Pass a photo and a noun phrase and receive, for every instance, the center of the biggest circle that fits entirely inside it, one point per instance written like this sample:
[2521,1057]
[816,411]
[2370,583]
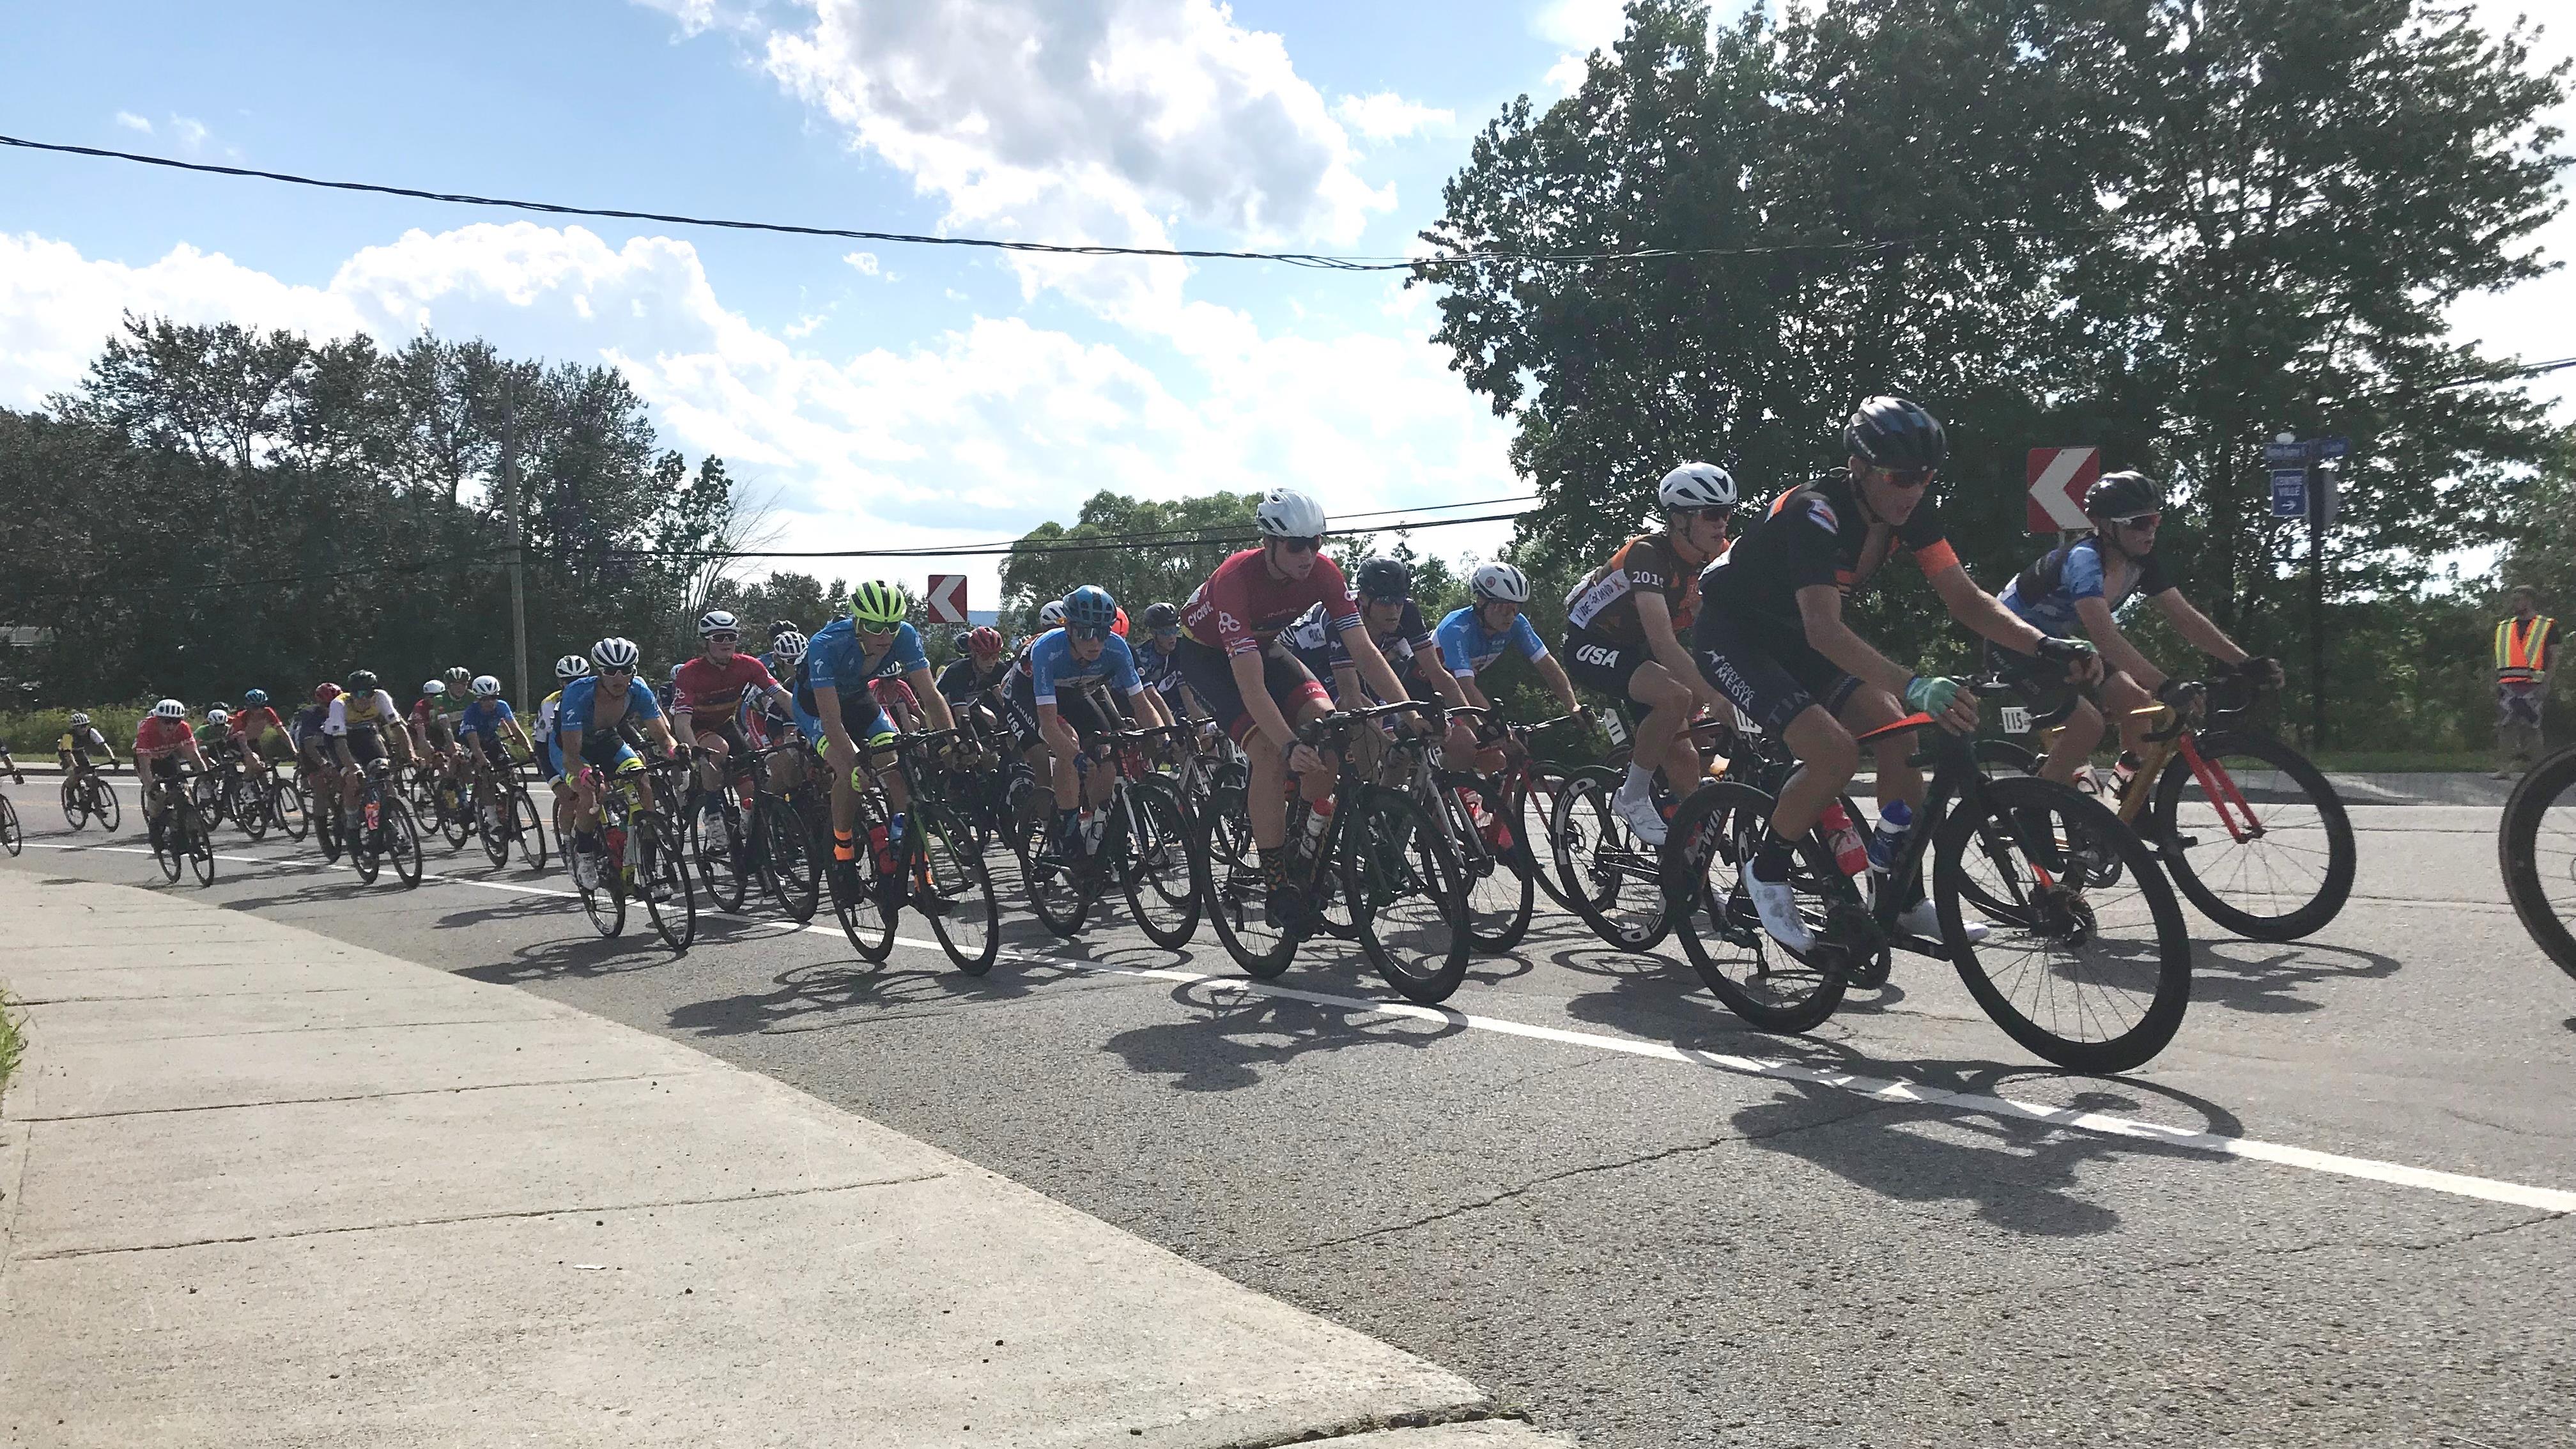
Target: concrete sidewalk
[258,1187]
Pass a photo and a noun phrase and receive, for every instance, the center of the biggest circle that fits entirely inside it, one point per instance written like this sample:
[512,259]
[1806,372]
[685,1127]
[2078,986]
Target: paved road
[1580,1191]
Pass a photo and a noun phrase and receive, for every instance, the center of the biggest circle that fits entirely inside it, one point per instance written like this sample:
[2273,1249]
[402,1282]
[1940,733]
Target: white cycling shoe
[1776,902]
[1924,919]
[1641,816]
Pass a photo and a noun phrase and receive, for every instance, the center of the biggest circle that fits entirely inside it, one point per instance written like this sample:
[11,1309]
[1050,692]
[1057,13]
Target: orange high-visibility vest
[2521,649]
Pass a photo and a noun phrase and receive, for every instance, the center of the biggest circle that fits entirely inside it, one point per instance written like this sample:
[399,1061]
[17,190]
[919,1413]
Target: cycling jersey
[1813,534]
[582,709]
[1160,671]
[307,725]
[1466,648]
[353,713]
[1052,666]
[837,659]
[1321,647]
[1243,606]
[961,681]
[2044,595]
[253,724]
[708,689]
[82,742]
[1605,602]
[155,735]
[483,716]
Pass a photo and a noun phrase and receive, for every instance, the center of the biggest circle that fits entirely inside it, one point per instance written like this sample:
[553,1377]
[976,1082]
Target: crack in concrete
[675,1071]
[1482,1411]
[337,1026]
[756,1195]
[2292,1250]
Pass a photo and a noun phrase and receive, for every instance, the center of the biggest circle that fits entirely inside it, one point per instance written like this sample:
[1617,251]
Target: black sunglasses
[1302,545]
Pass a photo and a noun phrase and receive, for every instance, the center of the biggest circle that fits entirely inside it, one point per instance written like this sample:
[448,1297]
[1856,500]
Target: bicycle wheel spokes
[8,826]
[201,852]
[721,847]
[2256,837]
[2095,978]
[402,842]
[1058,894]
[75,795]
[1407,897]
[1719,829]
[662,875]
[789,868]
[1238,894]
[955,893]
[1501,892]
[858,899]
[1611,875]
[2536,848]
[1162,877]
[293,813]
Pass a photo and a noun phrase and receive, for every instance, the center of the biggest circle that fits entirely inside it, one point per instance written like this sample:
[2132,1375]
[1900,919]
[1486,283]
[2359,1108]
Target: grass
[11,1042]
[32,734]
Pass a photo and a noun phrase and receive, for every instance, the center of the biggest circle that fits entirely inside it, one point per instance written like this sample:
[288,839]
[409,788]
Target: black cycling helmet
[2119,497]
[783,628]
[1385,580]
[1162,616]
[361,680]
[1893,432]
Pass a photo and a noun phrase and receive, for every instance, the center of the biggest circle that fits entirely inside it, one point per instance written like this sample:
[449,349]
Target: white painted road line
[1884,1089]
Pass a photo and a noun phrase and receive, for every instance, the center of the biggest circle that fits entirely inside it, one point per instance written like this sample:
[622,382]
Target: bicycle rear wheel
[2263,847]
[1715,835]
[1612,878]
[2092,977]
[1161,871]
[290,809]
[2536,850]
[789,868]
[1407,896]
[956,893]
[402,842]
[662,877]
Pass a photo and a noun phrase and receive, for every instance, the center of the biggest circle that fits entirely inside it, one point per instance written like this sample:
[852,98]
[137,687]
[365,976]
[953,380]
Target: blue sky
[881,394]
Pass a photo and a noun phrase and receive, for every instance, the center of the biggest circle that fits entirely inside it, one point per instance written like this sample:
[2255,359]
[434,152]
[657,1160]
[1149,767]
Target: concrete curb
[262,1187]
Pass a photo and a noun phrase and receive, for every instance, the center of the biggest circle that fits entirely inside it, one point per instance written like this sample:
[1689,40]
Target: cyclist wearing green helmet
[872,641]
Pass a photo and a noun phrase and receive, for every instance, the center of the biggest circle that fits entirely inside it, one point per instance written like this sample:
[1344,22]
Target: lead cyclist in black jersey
[1771,636]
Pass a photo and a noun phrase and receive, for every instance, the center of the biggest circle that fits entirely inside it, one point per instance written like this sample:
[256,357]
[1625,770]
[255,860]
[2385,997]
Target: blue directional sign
[2307,450]
[2329,447]
[2289,492]
[2281,453]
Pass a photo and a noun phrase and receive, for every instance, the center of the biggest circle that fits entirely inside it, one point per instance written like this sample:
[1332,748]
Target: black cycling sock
[1771,861]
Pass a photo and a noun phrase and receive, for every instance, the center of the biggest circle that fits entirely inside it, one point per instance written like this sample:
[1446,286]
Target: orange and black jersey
[1815,534]
[1605,603]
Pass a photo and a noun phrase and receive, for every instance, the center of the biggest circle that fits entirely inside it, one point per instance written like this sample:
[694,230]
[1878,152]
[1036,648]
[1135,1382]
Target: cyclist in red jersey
[160,740]
[709,703]
[1231,657]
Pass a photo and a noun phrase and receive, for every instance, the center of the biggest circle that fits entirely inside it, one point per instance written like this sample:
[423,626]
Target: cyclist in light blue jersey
[872,641]
[1477,635]
[1053,686]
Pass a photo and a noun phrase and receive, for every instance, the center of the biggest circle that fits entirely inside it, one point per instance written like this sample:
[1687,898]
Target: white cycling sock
[1639,781]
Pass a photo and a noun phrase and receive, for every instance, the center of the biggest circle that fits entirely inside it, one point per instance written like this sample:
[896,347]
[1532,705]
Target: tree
[1140,550]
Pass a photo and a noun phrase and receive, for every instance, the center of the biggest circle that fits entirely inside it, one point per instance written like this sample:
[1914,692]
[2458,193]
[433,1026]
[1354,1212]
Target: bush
[32,735]
[11,1042]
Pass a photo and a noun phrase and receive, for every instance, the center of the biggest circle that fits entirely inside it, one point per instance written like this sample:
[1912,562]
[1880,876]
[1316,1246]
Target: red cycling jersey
[709,688]
[892,692]
[1243,606]
[254,724]
[156,735]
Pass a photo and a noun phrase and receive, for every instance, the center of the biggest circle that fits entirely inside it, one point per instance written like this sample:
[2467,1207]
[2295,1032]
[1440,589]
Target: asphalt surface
[1571,1190]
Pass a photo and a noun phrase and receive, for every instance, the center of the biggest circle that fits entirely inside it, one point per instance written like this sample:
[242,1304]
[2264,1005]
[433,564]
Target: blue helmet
[1091,607]
[255,698]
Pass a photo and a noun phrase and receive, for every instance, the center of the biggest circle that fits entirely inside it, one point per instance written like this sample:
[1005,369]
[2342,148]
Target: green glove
[1931,695]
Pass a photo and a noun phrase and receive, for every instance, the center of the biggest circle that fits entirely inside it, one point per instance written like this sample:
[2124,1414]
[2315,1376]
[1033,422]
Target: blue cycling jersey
[1051,665]
[837,659]
[2044,595]
[1466,648]
[575,712]
[1159,670]
[483,714]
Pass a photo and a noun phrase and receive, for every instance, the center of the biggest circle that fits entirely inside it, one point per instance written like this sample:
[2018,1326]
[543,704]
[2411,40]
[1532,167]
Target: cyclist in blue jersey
[1053,688]
[1159,662]
[1477,635]
[586,733]
[481,728]
[2080,586]
[871,641]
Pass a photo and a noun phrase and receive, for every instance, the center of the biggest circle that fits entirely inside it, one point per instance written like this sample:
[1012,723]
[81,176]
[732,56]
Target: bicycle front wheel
[1532,814]
[1059,887]
[2261,844]
[858,899]
[1611,877]
[8,826]
[2536,849]
[1408,900]
[956,893]
[722,849]
[402,842]
[2093,977]
[1715,835]
[290,810]
[1162,873]
[75,794]
[662,876]
[1239,907]
[789,868]
[249,806]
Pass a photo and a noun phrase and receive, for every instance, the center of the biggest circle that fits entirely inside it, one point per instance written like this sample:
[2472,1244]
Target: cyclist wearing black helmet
[1159,661]
[2081,585]
[1771,636]
[1396,626]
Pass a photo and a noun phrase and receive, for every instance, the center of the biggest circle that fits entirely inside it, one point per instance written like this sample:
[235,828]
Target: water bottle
[881,847]
[1851,857]
[894,832]
[1895,818]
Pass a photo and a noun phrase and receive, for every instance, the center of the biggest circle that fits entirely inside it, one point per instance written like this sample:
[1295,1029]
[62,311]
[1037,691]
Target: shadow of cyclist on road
[1235,1034]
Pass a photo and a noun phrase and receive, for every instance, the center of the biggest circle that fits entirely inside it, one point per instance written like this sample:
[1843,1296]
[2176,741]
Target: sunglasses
[1088,631]
[627,673]
[1685,515]
[2139,520]
[1302,545]
[1907,478]
[1167,633]
[724,639]
[872,633]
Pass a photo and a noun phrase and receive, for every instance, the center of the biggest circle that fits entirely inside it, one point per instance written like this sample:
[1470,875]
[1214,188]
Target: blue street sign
[2306,451]
[2285,452]
[2289,492]
[2329,447]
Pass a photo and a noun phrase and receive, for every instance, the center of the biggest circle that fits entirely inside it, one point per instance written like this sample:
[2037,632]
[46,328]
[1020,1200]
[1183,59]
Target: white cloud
[191,132]
[1387,116]
[1581,26]
[133,122]
[866,262]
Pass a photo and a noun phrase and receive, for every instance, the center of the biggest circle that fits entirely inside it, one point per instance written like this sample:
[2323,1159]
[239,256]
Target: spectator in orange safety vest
[2525,646]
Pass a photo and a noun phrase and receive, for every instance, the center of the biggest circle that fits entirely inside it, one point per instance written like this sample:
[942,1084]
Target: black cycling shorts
[2042,685]
[1073,706]
[729,730]
[1210,675]
[496,751]
[1601,664]
[1772,679]
[366,745]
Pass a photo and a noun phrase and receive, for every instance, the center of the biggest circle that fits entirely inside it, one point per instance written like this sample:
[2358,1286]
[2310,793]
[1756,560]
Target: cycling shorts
[366,743]
[1599,662]
[727,729]
[1772,681]
[1210,676]
[1073,706]
[2041,684]
[496,750]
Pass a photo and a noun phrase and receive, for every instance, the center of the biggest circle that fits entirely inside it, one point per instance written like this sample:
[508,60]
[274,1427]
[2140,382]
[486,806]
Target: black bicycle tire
[301,822]
[873,937]
[1512,865]
[167,843]
[2342,850]
[672,867]
[2157,1026]
[1698,828]
[1539,846]
[1232,875]
[74,797]
[402,830]
[201,851]
[1579,786]
[530,826]
[935,841]
[1153,799]
[1040,884]
[495,839]
[1374,807]
[9,832]
[2518,855]
[736,856]
[779,823]
[363,856]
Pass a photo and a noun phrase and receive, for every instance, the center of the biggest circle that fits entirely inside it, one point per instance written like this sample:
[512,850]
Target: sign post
[946,600]
[2303,486]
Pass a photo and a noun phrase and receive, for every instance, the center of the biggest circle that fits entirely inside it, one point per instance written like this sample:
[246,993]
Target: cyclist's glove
[2066,652]
[1930,694]
[2177,693]
[2263,668]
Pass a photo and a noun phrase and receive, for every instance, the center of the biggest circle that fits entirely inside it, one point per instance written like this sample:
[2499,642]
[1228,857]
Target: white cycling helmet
[434,687]
[1697,485]
[788,647]
[169,709]
[1287,513]
[486,687]
[616,653]
[1499,581]
[218,718]
[571,667]
[718,621]
[79,720]
[1051,614]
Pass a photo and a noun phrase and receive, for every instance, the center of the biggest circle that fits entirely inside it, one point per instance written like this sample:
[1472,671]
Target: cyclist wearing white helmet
[712,690]
[481,729]
[1231,658]
[586,734]
[79,743]
[364,726]
[162,739]
[1492,622]
[1624,627]
[567,669]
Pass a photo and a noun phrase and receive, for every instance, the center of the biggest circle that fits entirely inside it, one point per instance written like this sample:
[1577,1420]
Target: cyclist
[871,641]
[161,739]
[364,725]
[586,733]
[549,759]
[433,735]
[1231,659]
[258,731]
[482,730]
[1064,665]
[1771,636]
[2081,585]
[1624,626]
[312,746]
[790,651]
[222,751]
[1395,625]
[81,739]
[1159,664]
[1478,633]
[712,688]
[980,667]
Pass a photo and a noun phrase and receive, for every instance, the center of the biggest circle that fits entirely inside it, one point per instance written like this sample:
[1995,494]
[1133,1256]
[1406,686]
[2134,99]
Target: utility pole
[510,511]
[2321,501]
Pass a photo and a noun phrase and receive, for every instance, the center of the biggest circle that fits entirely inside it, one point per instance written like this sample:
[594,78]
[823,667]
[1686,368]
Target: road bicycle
[1145,846]
[915,857]
[639,855]
[1610,876]
[1375,850]
[2536,851]
[88,795]
[288,808]
[383,830]
[180,831]
[1487,816]
[2252,832]
[791,824]
[2089,968]
[506,818]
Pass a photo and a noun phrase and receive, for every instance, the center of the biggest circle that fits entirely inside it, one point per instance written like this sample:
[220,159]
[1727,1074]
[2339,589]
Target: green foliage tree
[1168,549]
